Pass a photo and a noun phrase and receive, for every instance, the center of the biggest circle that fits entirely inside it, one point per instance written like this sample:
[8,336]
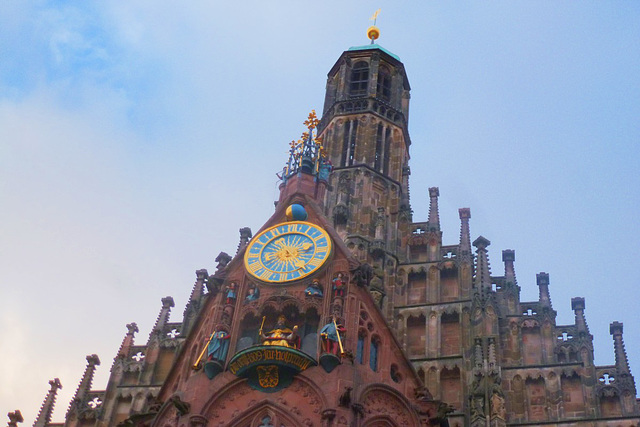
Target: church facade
[343,311]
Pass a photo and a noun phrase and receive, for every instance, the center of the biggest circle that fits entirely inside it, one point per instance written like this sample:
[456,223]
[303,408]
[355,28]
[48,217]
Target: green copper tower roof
[375,46]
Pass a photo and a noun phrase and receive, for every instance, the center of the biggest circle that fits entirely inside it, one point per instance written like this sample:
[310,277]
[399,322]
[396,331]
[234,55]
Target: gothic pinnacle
[465,238]
[127,342]
[44,416]
[15,417]
[163,317]
[509,257]
[483,273]
[434,216]
[85,383]
[578,306]
[245,236]
[542,279]
[622,363]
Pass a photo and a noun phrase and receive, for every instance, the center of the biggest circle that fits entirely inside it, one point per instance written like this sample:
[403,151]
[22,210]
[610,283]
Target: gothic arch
[382,403]
[236,403]
[255,415]
[167,415]
[380,421]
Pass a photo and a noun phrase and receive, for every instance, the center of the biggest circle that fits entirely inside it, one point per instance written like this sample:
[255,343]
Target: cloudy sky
[137,137]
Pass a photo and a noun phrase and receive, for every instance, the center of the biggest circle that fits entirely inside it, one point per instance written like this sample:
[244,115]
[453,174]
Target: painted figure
[252,295]
[314,289]
[324,169]
[231,293]
[329,338]
[218,346]
[339,286]
[281,335]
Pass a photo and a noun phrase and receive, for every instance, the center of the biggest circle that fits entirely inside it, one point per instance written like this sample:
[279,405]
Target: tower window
[383,88]
[352,143]
[359,79]
[345,143]
[387,153]
[349,142]
[378,159]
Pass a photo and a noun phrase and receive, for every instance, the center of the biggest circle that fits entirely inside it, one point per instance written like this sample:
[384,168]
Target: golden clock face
[287,252]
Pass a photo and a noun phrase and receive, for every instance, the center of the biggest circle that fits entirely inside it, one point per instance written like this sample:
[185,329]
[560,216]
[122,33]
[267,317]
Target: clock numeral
[315,262]
[264,275]
[254,267]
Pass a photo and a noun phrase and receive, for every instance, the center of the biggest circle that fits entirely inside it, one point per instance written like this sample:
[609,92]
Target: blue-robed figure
[218,346]
[314,289]
[329,336]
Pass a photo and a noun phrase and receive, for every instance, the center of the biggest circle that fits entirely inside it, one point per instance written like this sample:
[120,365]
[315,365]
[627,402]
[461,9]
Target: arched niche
[449,290]
[416,330]
[451,387]
[382,403]
[249,327]
[450,334]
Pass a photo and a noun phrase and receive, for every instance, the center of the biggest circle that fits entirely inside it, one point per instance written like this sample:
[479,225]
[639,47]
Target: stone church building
[343,311]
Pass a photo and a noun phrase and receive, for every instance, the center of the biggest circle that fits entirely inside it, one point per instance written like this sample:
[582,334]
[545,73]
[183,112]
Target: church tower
[364,130]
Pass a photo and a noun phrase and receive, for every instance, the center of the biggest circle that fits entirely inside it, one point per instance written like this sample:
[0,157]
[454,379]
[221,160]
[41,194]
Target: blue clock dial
[287,252]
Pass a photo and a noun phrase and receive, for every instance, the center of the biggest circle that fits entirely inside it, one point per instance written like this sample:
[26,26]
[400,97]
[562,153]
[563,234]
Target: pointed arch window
[349,142]
[383,88]
[374,350]
[360,348]
[359,79]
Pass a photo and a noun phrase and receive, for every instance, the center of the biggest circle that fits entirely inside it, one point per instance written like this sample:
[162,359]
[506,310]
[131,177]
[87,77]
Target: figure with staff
[332,335]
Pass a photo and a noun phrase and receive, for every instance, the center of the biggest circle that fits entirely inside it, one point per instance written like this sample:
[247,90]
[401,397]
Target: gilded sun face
[287,252]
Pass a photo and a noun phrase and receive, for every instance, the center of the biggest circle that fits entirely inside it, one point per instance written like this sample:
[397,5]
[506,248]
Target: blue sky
[136,139]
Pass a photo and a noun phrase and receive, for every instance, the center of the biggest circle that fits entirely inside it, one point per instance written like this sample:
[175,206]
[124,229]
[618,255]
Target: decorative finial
[307,154]
[373,32]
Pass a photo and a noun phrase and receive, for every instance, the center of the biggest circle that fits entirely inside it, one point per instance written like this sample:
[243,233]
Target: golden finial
[373,32]
[312,121]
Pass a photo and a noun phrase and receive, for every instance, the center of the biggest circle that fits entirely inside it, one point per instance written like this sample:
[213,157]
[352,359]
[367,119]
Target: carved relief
[380,402]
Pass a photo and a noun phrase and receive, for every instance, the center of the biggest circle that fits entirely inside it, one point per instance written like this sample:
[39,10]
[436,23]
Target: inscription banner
[269,368]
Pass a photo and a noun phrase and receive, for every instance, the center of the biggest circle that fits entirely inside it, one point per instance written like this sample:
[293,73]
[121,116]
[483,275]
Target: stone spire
[465,235]
[15,417]
[85,383]
[163,317]
[198,286]
[483,274]
[434,216]
[127,342]
[193,306]
[405,199]
[578,305]
[509,257]
[245,236]
[44,416]
[622,363]
[542,279]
